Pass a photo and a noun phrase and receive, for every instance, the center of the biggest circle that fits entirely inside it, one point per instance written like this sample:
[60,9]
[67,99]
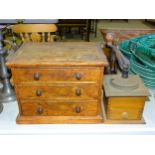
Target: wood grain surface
[59,108]
[58,83]
[58,54]
[125,108]
[59,91]
[51,74]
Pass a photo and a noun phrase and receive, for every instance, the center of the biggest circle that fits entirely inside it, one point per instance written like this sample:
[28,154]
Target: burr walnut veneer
[58,82]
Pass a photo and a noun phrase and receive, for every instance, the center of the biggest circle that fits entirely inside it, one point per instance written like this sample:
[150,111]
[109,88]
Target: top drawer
[56,74]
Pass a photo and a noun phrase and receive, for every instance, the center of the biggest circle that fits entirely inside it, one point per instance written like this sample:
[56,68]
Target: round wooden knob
[36,76]
[38,92]
[40,110]
[125,115]
[78,91]
[78,109]
[78,76]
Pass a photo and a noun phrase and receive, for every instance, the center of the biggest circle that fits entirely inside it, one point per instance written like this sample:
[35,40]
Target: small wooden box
[58,82]
[124,104]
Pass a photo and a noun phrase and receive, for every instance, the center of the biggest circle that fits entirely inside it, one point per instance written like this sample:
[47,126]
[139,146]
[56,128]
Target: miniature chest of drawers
[58,82]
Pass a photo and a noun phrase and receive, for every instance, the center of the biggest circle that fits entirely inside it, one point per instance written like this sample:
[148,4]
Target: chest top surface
[60,53]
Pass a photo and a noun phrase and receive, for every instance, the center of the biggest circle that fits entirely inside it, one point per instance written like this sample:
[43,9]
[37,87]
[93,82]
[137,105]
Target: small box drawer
[65,91]
[56,74]
[125,108]
[69,108]
[124,114]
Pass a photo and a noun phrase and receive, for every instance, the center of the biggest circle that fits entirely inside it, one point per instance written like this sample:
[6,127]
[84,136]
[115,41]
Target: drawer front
[126,102]
[44,108]
[58,74]
[124,114]
[76,91]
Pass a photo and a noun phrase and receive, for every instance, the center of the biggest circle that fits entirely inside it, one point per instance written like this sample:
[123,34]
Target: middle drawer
[66,91]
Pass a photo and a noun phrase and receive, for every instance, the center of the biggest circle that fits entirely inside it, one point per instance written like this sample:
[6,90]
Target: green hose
[144,72]
[141,53]
[144,44]
[124,48]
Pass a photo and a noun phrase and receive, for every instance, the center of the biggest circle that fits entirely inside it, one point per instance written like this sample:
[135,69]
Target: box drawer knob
[78,91]
[36,76]
[124,115]
[40,110]
[38,92]
[78,76]
[77,109]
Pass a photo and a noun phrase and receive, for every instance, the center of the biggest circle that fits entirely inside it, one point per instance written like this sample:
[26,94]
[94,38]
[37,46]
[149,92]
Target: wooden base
[59,119]
[108,121]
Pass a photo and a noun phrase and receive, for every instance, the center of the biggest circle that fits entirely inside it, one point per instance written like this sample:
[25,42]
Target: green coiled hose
[144,44]
[141,53]
[124,48]
[144,72]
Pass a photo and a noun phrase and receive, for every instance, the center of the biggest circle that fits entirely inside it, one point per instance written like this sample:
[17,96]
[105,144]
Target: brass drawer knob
[124,115]
[78,91]
[38,93]
[78,76]
[77,109]
[40,110]
[36,76]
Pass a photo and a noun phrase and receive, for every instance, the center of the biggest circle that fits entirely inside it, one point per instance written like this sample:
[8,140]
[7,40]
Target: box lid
[115,85]
[58,53]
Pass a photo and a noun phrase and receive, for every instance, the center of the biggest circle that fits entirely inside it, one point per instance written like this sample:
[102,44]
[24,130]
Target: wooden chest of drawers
[58,82]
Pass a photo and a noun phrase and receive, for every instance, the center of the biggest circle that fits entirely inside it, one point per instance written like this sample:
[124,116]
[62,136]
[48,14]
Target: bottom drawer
[44,108]
[124,114]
